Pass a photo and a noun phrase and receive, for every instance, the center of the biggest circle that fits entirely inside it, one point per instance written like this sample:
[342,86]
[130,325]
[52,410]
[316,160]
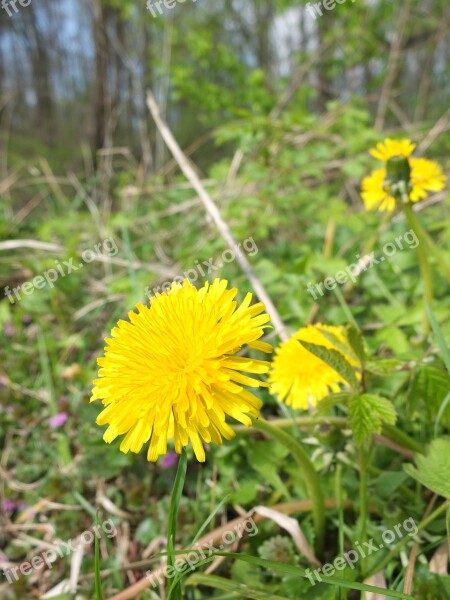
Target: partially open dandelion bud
[403,178]
[398,170]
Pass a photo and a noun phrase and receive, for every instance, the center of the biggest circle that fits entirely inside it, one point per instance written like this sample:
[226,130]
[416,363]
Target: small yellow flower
[375,193]
[392,148]
[297,376]
[425,176]
[171,371]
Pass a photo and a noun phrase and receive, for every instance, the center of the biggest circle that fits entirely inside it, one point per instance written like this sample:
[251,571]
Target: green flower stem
[173,585]
[424,238]
[363,503]
[389,431]
[65,457]
[398,436]
[339,592]
[393,553]
[423,261]
[309,421]
[308,472]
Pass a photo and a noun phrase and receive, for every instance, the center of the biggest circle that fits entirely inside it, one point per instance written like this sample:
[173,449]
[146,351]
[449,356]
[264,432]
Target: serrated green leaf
[433,469]
[356,341]
[325,405]
[431,386]
[344,348]
[381,367]
[335,360]
[367,413]
[430,383]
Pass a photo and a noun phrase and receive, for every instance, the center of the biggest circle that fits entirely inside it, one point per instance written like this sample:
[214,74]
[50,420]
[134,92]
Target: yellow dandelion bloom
[375,192]
[171,372]
[425,176]
[297,376]
[392,148]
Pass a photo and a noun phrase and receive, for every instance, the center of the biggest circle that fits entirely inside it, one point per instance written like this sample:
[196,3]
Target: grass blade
[439,337]
[210,518]
[98,582]
[225,585]
[298,572]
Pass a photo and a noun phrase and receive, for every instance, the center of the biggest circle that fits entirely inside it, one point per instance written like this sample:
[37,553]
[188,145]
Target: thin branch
[215,215]
[392,68]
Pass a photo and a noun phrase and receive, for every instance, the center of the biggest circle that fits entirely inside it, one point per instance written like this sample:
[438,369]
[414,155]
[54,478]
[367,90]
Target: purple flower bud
[170,459]
[9,330]
[58,420]
[8,505]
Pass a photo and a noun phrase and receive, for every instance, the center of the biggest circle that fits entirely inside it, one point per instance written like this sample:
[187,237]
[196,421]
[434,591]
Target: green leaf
[266,458]
[356,341]
[367,413]
[299,572]
[433,469]
[431,385]
[445,351]
[344,348]
[447,521]
[445,404]
[241,589]
[383,366]
[328,403]
[97,580]
[336,361]
[210,518]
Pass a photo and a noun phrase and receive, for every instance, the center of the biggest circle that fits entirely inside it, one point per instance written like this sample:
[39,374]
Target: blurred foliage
[293,189]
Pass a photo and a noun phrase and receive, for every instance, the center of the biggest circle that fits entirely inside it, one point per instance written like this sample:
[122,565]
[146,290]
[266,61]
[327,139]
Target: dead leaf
[378,580]
[439,560]
[293,528]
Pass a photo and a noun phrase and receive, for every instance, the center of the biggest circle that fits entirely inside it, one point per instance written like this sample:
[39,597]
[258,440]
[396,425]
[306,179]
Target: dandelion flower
[426,176]
[171,372]
[376,193]
[420,176]
[298,377]
[392,148]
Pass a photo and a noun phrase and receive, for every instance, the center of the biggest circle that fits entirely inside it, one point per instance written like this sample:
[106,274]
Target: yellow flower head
[392,148]
[171,371]
[297,376]
[425,176]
